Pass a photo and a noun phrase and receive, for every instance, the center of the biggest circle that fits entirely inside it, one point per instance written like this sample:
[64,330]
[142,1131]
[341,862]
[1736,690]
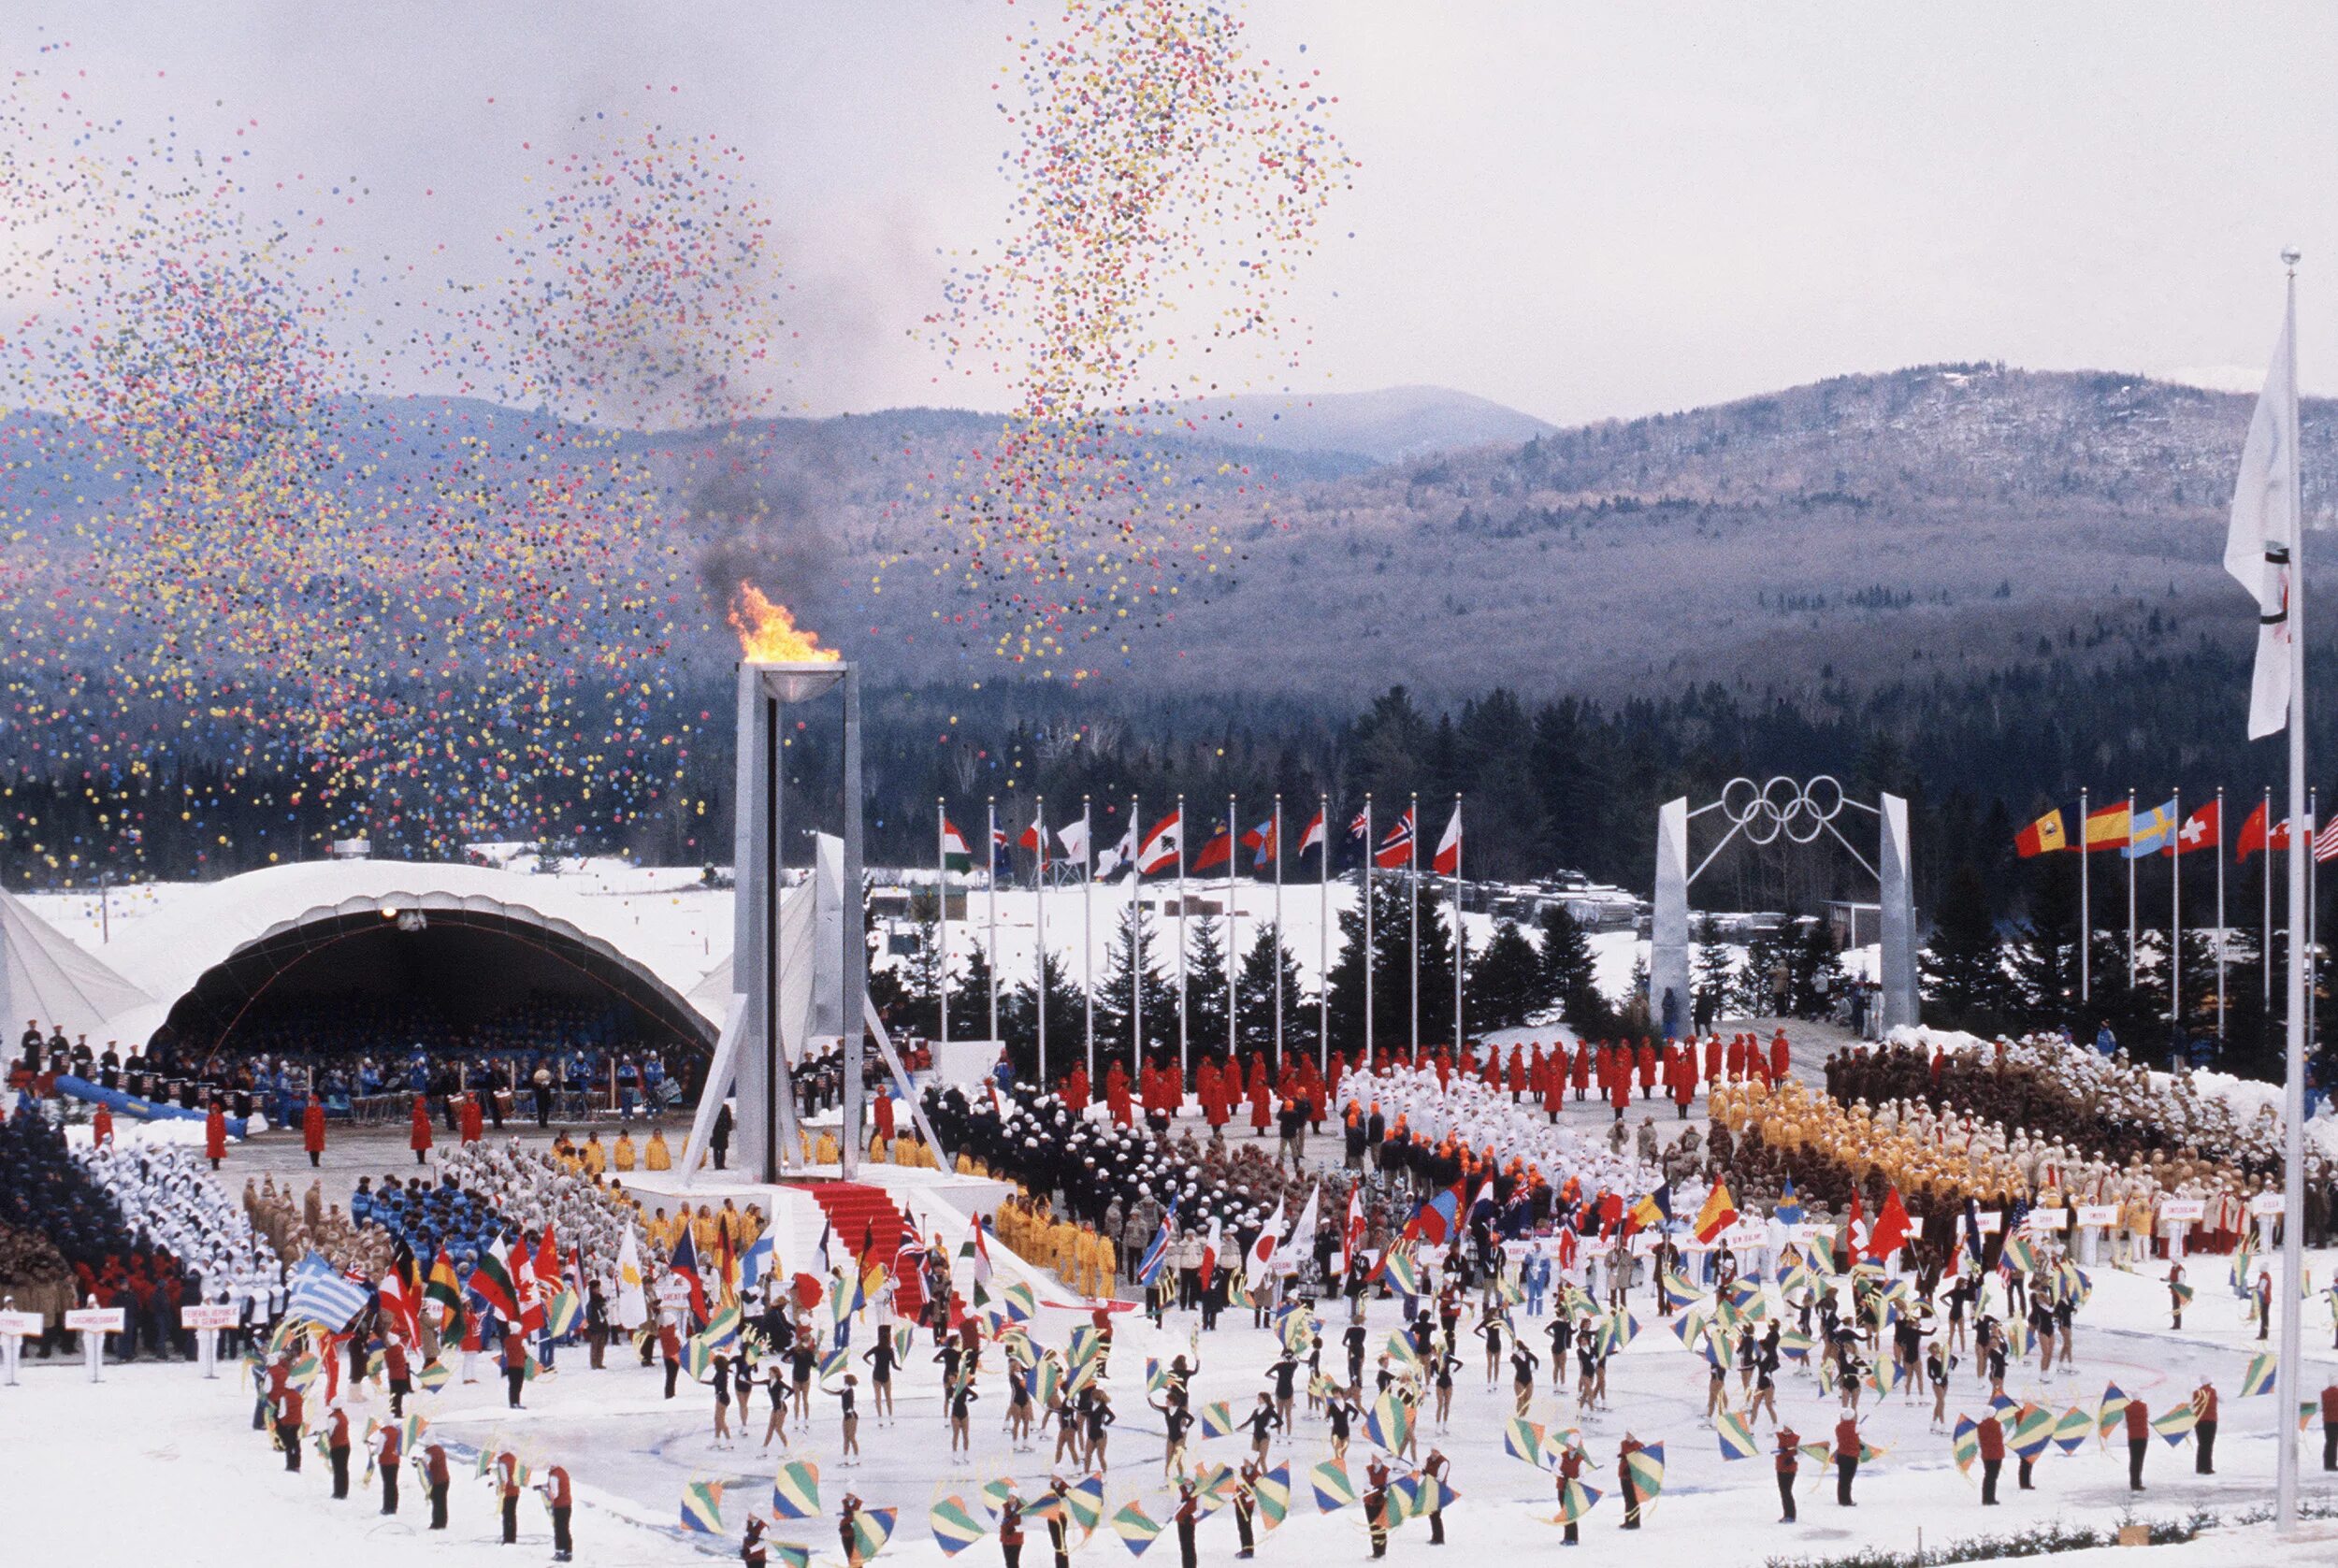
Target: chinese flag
[2042,837]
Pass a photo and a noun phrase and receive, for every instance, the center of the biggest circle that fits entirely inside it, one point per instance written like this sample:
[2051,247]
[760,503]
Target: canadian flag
[1164,846]
[1447,861]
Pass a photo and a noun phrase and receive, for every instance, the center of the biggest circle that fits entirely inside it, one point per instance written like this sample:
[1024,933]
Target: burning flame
[769,635]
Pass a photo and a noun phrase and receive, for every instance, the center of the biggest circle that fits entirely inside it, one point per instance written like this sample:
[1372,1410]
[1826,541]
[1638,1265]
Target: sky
[1585,211]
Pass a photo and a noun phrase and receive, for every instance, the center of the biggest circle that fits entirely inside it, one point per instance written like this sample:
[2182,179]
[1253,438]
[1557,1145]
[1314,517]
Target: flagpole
[2085,918]
[2130,890]
[1183,1051]
[1460,947]
[1323,942]
[2175,922]
[2220,927]
[991,877]
[1039,929]
[1412,881]
[2293,1172]
[1370,1058]
[1136,941]
[1234,842]
[2265,879]
[942,886]
[1277,832]
[1088,926]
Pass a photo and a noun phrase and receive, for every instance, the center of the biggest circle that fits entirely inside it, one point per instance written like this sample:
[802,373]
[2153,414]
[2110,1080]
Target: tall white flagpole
[1136,943]
[1234,846]
[1324,943]
[2085,915]
[1369,865]
[1412,881]
[1183,1069]
[942,887]
[1088,928]
[1460,947]
[1276,828]
[2265,951]
[2220,928]
[2130,889]
[2176,921]
[1039,929]
[2293,1118]
[991,876]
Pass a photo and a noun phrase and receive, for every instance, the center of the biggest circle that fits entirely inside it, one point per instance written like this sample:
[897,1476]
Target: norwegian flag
[1164,846]
[1447,861]
[1396,849]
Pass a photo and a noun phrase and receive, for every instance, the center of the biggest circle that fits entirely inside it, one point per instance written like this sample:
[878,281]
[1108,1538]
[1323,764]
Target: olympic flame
[767,634]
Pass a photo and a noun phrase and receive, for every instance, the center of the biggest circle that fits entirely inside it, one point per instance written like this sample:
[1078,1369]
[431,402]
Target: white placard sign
[2266,1203]
[197,1314]
[2183,1210]
[673,1291]
[2098,1214]
[2041,1221]
[1991,1221]
[94,1321]
[23,1325]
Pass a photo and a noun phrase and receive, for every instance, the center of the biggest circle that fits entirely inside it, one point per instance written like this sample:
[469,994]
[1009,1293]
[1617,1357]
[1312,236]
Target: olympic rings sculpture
[1797,811]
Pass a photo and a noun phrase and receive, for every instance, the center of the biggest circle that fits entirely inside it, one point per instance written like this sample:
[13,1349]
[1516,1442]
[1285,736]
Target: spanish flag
[2042,837]
[2109,829]
[1719,1212]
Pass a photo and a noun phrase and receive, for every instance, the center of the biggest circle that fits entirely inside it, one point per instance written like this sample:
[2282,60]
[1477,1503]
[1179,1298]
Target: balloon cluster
[1167,187]
[424,618]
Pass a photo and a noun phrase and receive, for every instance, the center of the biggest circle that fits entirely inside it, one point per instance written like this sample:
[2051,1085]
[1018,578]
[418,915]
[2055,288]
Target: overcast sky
[1580,210]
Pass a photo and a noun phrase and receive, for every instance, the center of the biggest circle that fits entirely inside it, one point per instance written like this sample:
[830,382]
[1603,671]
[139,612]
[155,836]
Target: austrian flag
[1164,846]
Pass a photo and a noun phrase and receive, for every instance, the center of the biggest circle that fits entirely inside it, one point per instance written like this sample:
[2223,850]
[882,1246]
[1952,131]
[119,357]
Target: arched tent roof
[661,938]
[47,976]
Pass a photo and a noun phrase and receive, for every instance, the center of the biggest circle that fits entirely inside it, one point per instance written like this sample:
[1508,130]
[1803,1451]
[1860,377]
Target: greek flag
[322,1294]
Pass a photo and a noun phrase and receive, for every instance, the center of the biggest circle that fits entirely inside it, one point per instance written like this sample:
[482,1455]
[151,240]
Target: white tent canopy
[47,976]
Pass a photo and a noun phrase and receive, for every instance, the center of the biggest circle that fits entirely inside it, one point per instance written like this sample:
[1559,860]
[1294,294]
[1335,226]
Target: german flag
[2042,837]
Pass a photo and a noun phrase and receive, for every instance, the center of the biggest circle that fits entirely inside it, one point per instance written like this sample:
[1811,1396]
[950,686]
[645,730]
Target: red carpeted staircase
[866,1224]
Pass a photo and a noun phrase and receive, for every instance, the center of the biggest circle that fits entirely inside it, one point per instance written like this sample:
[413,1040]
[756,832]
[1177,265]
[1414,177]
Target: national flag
[1719,1212]
[1655,1208]
[1119,854]
[1300,1243]
[956,856]
[760,1259]
[2107,827]
[398,1307]
[1210,1246]
[566,1312]
[1148,1267]
[1396,848]
[954,1529]
[2042,837]
[1352,1229]
[1313,837]
[1447,861]
[2152,830]
[1035,839]
[1334,1491]
[1435,1218]
[975,1250]
[547,1260]
[446,1287]
[1361,825]
[525,1285]
[796,1490]
[1261,1258]
[1164,846]
[703,1507]
[2203,829]
[1218,850]
[322,1294]
[631,1308]
[1789,1208]
[684,1265]
[1073,836]
[1002,852]
[2325,842]
[1891,1229]
[2253,834]
[2258,548]
[1260,842]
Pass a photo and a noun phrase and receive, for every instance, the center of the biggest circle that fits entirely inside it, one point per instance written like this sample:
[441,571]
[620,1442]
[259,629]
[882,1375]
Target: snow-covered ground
[196,1486]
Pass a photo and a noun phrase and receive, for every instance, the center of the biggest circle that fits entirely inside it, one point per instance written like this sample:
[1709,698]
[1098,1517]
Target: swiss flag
[1447,861]
[2203,829]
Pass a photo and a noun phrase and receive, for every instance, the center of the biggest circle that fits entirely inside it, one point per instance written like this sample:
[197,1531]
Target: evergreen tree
[1114,1000]
[1255,988]
[1818,974]
[1505,984]
[917,1007]
[1390,971]
[1570,976]
[1768,954]
[1714,972]
[1206,987]
[1963,965]
[2045,956]
[1067,1022]
[970,996]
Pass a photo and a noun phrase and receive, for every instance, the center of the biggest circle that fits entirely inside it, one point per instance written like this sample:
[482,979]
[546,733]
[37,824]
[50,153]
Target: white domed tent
[47,976]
